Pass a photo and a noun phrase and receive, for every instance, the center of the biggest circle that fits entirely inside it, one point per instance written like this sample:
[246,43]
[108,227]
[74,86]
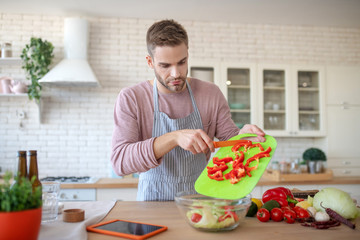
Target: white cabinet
[343,85]
[239,87]
[343,114]
[206,71]
[292,100]
[284,100]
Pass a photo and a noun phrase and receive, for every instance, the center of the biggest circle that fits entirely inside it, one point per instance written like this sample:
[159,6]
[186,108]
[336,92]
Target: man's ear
[149,61]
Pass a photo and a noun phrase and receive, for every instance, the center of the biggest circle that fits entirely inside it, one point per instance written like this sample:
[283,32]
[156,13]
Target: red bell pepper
[280,194]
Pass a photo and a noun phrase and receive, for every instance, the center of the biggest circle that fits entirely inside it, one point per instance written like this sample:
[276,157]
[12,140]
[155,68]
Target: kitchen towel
[94,213]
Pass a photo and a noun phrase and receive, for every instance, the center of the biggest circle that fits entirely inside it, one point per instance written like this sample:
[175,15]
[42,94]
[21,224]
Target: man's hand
[249,128]
[195,141]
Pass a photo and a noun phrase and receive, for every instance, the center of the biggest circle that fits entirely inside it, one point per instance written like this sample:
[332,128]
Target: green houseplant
[20,204]
[37,57]
[314,158]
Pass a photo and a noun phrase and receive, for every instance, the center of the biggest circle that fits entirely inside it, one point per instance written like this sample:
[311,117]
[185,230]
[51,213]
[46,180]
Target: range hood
[74,69]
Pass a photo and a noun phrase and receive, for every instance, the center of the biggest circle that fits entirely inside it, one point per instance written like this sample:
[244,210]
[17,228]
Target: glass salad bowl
[211,214]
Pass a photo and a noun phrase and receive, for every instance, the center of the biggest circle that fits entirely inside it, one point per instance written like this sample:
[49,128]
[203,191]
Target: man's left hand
[250,128]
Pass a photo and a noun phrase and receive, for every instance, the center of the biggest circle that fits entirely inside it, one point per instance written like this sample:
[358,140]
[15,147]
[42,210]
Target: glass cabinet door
[308,100]
[203,73]
[239,95]
[274,95]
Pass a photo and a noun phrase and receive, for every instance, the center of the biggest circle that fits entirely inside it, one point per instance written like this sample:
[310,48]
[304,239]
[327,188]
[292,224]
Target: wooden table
[166,213]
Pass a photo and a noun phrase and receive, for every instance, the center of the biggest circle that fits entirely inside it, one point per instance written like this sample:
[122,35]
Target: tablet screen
[129,228]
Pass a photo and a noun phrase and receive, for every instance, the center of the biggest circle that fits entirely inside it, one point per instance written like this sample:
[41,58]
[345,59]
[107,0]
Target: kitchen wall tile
[75,136]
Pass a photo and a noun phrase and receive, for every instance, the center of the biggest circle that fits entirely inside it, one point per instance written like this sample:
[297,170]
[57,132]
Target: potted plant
[315,158]
[37,57]
[20,208]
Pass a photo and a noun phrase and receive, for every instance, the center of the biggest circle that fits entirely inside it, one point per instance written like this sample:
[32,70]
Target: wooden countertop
[166,213]
[133,182]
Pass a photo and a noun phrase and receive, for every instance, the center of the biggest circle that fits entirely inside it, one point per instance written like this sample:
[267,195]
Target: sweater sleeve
[130,153]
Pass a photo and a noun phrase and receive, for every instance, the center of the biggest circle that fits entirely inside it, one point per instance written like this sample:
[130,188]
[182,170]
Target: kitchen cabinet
[284,100]
[292,100]
[343,112]
[206,71]
[240,91]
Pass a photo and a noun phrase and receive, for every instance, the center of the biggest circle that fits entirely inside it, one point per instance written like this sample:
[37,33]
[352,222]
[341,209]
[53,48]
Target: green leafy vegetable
[337,200]
[19,196]
[314,154]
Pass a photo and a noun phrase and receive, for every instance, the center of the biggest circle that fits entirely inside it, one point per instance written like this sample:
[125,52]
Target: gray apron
[179,168]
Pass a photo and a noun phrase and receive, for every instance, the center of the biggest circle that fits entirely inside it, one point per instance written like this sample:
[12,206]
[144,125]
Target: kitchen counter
[133,182]
[166,213]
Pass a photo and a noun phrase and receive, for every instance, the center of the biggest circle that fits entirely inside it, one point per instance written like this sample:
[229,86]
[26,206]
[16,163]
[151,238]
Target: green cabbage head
[337,200]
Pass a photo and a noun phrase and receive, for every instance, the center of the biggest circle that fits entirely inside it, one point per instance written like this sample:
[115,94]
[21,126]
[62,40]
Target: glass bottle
[33,168]
[6,51]
[22,165]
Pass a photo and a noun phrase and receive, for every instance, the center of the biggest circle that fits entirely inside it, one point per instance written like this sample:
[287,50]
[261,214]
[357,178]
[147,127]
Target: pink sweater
[132,143]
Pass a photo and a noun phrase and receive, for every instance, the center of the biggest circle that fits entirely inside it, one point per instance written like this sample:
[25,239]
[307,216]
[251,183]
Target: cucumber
[252,210]
[269,205]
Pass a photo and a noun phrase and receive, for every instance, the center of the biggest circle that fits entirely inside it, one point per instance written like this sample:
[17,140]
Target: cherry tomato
[300,212]
[276,215]
[263,215]
[289,216]
[195,217]
[285,208]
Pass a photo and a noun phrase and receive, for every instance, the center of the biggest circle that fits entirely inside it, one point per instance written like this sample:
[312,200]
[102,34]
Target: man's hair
[165,33]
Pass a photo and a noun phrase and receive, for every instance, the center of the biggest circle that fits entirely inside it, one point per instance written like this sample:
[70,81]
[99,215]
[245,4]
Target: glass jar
[6,51]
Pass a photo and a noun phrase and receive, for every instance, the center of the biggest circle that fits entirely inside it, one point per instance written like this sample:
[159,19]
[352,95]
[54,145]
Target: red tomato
[263,215]
[276,215]
[285,208]
[300,212]
[195,217]
[228,214]
[289,216]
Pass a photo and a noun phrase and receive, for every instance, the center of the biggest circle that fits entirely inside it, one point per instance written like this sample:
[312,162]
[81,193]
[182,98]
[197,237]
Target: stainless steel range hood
[74,69]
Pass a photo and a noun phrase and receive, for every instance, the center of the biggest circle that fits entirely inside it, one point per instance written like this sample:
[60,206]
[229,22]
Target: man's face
[170,65]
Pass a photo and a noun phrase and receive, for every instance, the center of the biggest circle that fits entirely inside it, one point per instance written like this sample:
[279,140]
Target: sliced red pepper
[218,176]
[224,160]
[212,170]
[238,160]
[243,143]
[256,145]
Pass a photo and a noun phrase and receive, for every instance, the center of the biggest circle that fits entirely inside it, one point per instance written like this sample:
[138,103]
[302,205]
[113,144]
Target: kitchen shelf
[10,61]
[274,88]
[301,89]
[239,86]
[23,95]
[240,110]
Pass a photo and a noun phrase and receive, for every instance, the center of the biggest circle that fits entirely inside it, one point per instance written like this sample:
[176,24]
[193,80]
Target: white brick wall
[75,138]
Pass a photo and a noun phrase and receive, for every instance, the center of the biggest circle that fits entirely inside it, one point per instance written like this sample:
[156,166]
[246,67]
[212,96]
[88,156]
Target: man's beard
[172,88]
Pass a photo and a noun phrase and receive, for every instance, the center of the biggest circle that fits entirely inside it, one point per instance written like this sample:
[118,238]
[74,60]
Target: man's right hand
[195,141]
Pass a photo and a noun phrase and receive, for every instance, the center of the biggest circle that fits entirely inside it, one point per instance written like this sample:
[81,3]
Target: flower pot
[20,224]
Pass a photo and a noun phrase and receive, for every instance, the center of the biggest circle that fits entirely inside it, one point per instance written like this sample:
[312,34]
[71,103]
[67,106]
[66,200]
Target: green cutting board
[224,189]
